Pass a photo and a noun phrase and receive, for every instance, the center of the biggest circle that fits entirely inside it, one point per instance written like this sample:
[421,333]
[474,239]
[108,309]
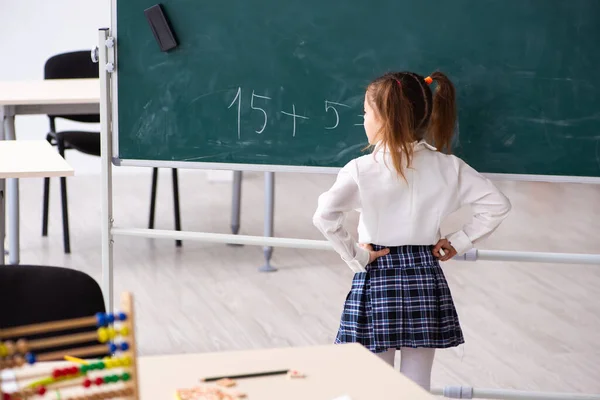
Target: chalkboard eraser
[160,28]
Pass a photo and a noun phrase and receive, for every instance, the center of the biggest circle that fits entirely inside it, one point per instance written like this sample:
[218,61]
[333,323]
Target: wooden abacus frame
[127,358]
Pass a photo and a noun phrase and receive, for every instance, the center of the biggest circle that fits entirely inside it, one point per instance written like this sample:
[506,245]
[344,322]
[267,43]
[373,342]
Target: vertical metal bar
[269,219]
[236,202]
[106,157]
[13,197]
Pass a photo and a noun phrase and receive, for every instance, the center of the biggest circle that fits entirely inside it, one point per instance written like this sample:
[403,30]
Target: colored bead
[99,381]
[101,319]
[87,383]
[19,361]
[122,316]
[126,361]
[108,378]
[102,335]
[110,317]
[126,376]
[30,357]
[22,346]
[41,391]
[112,347]
[3,350]
[57,373]
[110,331]
[10,348]
[84,368]
[124,331]
[6,396]
[124,346]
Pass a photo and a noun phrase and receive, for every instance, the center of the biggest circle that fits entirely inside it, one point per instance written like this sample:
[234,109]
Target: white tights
[415,364]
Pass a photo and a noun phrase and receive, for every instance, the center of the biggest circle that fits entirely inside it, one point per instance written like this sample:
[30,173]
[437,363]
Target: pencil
[243,376]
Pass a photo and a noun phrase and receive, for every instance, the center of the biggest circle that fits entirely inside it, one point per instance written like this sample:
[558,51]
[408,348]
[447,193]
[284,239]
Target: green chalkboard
[525,70]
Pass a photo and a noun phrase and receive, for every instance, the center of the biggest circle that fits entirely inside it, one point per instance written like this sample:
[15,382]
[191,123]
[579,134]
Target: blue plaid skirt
[403,300]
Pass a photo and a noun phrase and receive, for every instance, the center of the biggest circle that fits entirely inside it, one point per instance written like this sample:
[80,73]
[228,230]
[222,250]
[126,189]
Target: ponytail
[443,114]
[397,123]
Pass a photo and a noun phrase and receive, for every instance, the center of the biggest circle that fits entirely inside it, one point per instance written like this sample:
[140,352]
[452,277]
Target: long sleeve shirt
[395,212]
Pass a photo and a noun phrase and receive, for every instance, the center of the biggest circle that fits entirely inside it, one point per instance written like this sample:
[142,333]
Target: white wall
[31,31]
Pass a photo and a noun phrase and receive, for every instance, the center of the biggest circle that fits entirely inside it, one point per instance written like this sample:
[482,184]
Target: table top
[31,159]
[331,372]
[50,91]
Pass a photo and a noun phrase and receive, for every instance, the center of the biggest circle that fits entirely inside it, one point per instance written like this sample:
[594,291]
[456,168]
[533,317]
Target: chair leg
[153,198]
[46,206]
[63,195]
[176,204]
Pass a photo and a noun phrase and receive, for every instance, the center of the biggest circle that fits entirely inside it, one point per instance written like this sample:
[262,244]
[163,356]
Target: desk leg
[13,202]
[2,196]
[2,221]
[269,218]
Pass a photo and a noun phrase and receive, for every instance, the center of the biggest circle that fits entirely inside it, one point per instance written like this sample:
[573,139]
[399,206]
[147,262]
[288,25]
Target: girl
[400,299]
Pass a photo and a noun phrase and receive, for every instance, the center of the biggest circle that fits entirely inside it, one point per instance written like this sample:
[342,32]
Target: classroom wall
[31,31]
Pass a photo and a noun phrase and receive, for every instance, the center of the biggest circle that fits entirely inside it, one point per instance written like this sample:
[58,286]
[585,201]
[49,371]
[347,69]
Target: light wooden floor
[527,326]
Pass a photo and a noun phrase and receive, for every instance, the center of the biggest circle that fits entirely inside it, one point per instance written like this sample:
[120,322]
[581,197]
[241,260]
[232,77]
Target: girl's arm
[331,213]
[490,207]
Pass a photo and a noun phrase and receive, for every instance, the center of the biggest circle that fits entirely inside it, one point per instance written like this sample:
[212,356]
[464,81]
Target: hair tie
[398,81]
[428,80]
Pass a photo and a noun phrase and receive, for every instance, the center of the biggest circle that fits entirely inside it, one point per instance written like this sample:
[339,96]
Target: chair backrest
[35,294]
[73,65]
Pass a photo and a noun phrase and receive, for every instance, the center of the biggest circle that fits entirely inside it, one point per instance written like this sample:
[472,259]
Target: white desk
[68,96]
[27,159]
[331,371]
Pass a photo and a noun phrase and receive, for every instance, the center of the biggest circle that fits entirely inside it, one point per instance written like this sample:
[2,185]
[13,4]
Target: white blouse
[395,212]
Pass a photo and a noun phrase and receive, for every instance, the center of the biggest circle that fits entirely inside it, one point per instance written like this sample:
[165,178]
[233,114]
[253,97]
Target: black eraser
[160,28]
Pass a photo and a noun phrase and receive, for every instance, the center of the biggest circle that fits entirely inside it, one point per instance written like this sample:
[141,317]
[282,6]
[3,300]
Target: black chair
[78,64]
[32,294]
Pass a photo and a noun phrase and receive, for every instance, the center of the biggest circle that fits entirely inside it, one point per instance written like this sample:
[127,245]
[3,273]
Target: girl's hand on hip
[443,245]
[374,255]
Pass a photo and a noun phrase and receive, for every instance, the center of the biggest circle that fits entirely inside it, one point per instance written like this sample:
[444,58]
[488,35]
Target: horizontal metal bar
[225,238]
[57,109]
[538,257]
[466,392]
[488,255]
[223,166]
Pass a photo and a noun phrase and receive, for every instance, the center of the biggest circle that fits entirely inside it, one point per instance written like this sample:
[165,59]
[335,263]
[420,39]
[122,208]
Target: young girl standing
[400,299]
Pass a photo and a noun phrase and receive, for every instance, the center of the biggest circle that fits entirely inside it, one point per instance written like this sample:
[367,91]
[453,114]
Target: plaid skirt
[403,300]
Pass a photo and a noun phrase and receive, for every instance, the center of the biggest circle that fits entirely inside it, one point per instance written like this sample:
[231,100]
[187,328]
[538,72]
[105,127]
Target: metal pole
[13,198]
[269,219]
[2,197]
[105,57]
[467,392]
[236,203]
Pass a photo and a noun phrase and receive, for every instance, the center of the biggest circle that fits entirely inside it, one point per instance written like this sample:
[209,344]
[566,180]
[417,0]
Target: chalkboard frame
[117,161]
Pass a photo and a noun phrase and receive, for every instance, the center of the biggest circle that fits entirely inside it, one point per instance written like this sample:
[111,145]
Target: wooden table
[27,159]
[331,371]
[57,96]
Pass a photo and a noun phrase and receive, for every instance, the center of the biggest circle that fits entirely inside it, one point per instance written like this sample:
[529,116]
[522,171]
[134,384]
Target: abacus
[87,378]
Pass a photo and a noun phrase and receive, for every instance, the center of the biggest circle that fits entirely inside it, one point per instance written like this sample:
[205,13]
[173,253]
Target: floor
[527,326]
